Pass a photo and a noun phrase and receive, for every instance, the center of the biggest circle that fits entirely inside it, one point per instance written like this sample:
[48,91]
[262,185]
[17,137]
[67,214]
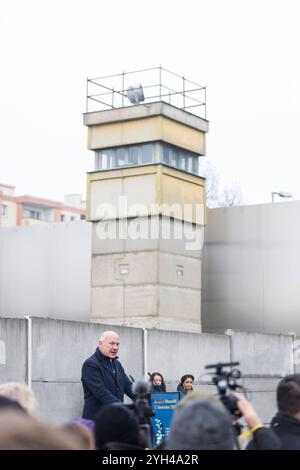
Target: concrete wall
[116,193]
[59,350]
[13,338]
[161,287]
[251,269]
[60,347]
[45,271]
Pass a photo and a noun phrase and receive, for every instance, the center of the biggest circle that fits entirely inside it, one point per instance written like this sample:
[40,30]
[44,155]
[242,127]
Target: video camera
[226,381]
[141,404]
[142,409]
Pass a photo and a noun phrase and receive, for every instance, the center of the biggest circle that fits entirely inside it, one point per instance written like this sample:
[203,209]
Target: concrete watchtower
[146,200]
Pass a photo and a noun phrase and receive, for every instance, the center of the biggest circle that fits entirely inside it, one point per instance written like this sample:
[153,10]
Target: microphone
[140,387]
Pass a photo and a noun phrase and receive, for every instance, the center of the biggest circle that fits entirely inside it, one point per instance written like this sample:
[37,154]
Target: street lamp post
[283,194]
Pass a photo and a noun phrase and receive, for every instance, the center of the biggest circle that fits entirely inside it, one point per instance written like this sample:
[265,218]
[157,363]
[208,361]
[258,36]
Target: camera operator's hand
[247,410]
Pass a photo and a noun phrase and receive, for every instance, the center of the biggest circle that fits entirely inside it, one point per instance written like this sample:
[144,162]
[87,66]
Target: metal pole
[183,91]
[123,82]
[87,94]
[145,348]
[204,102]
[29,351]
[160,83]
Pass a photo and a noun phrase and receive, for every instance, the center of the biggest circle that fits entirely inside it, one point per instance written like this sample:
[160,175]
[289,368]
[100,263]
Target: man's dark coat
[104,381]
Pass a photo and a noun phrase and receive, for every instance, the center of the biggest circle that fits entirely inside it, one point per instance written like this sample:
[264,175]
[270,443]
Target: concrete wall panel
[74,342]
[263,354]
[102,244]
[180,303]
[45,271]
[138,268]
[13,350]
[60,347]
[141,300]
[107,302]
[251,262]
[171,267]
[58,402]
[175,354]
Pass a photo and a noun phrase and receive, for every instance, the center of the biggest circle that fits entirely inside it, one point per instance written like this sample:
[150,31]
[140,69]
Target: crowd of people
[200,421]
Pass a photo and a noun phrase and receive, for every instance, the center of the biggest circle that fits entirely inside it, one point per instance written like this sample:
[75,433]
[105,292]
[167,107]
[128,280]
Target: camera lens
[235,373]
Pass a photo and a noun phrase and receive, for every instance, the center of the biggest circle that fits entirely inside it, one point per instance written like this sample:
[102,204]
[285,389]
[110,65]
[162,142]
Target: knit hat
[201,425]
[116,423]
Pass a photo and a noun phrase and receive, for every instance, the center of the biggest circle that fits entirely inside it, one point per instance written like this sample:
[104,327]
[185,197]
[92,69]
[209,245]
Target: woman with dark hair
[157,382]
[186,384]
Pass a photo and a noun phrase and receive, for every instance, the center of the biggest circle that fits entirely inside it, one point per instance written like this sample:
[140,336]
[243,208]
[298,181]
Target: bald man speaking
[103,377]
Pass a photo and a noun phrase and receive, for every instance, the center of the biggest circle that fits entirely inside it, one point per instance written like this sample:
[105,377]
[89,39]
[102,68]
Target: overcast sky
[245,51]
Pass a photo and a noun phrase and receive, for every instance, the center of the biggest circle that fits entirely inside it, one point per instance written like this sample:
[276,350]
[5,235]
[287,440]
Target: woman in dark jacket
[157,382]
[186,384]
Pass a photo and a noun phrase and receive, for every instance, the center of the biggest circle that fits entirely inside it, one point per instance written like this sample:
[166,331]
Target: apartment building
[29,210]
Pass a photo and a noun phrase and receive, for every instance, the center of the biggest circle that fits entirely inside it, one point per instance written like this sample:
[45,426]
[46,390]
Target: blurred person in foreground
[286,423]
[20,431]
[7,404]
[205,424]
[103,378]
[21,393]
[201,425]
[81,433]
[116,428]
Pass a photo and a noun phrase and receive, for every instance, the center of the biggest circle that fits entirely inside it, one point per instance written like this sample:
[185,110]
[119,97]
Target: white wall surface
[45,271]
[251,269]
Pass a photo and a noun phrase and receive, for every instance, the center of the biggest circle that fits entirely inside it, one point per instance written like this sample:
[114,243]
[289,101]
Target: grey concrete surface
[13,337]
[75,342]
[251,267]
[138,112]
[58,402]
[175,354]
[261,354]
[45,270]
[60,347]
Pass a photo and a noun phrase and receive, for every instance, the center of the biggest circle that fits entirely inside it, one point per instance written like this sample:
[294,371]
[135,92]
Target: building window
[31,214]
[4,210]
[166,154]
[179,270]
[195,166]
[121,156]
[133,155]
[182,160]
[107,159]
[145,154]
[174,158]
[34,215]
[124,269]
[124,156]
